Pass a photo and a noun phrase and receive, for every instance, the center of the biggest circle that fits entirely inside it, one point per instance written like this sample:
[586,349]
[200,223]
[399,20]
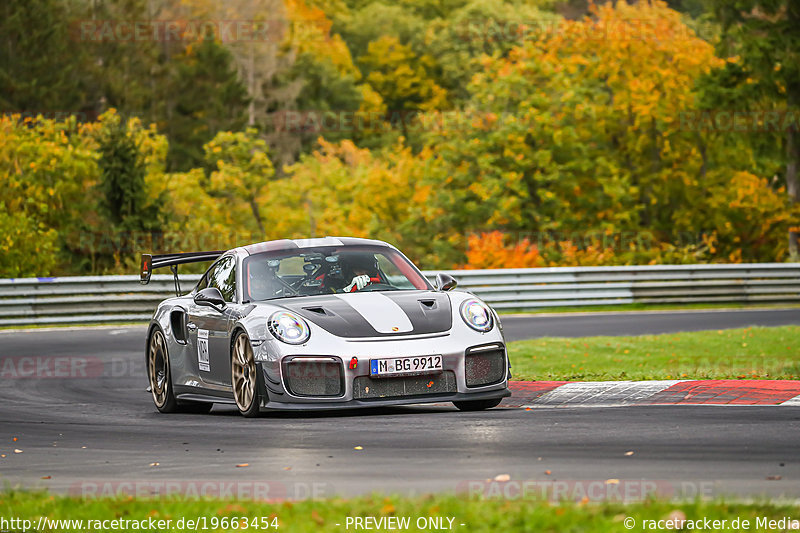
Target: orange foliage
[492,250]
[488,250]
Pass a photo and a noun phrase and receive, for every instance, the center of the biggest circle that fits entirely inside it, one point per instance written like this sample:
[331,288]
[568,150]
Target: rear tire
[244,377]
[477,405]
[158,371]
[159,375]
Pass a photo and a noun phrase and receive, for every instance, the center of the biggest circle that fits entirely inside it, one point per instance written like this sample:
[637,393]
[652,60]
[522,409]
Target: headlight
[288,327]
[477,315]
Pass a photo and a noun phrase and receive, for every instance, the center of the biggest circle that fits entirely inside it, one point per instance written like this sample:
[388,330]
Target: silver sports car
[325,323]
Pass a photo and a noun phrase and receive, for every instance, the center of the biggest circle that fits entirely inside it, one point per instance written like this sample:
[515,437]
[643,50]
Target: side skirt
[206,396]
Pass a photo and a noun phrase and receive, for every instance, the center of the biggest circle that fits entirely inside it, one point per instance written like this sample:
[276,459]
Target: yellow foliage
[310,32]
[341,189]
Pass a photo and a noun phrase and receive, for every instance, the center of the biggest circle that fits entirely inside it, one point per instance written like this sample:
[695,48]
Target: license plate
[394,366]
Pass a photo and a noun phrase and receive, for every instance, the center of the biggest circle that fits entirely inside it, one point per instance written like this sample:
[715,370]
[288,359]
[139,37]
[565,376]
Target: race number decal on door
[202,350]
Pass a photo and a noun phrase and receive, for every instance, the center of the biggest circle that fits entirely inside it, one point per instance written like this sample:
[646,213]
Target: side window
[223,277]
[203,283]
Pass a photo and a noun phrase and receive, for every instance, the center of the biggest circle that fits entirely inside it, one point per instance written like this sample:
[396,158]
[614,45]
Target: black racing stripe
[428,311]
[331,314]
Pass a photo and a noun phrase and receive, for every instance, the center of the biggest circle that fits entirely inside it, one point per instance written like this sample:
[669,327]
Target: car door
[211,328]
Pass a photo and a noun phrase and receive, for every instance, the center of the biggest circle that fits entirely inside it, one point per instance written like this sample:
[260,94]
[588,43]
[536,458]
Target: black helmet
[361,261]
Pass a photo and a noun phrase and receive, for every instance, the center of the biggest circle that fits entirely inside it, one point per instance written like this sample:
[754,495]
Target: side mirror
[445,282]
[210,297]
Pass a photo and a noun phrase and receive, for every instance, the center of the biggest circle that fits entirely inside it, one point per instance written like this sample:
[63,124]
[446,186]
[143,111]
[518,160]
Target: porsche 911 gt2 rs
[320,324]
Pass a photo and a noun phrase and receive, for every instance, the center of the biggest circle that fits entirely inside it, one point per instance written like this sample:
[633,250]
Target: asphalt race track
[102,433]
[642,323]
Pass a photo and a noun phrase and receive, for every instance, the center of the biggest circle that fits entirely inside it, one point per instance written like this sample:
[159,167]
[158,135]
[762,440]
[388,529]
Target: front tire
[244,377]
[478,405]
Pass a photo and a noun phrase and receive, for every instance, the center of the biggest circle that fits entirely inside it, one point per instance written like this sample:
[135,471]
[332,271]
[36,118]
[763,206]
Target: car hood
[376,314]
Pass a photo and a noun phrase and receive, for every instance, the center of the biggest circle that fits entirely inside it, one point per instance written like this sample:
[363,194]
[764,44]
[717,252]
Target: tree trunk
[792,189]
[251,89]
[257,216]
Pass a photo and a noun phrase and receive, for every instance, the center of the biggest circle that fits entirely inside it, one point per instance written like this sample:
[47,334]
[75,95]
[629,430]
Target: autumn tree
[580,130]
[242,170]
[763,38]
[341,189]
[208,98]
[123,199]
[47,170]
[402,78]
[478,28]
[40,66]
[360,27]
[126,74]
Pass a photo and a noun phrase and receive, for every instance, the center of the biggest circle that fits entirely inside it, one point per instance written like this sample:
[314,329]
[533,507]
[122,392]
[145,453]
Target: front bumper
[356,388]
[343,387]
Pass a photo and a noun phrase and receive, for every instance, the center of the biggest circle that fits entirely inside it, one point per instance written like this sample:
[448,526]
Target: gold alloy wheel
[158,368]
[243,368]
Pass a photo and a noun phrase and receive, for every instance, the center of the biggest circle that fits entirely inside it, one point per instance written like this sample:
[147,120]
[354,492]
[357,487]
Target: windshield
[328,270]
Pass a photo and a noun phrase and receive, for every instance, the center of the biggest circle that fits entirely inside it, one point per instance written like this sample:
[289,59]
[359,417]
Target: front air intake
[313,376]
[368,388]
[485,365]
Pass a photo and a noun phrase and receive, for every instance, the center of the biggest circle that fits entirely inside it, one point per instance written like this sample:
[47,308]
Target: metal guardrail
[527,288]
[104,299]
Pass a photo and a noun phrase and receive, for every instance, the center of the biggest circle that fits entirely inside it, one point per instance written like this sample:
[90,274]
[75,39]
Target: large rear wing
[151,262]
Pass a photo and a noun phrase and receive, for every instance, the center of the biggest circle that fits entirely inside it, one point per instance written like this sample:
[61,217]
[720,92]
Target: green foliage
[39,63]
[127,74]
[763,74]
[763,33]
[324,92]
[484,118]
[432,9]
[341,189]
[127,200]
[47,170]
[124,200]
[480,27]
[567,135]
[208,98]
[27,248]
[324,87]
[402,78]
[242,172]
[376,20]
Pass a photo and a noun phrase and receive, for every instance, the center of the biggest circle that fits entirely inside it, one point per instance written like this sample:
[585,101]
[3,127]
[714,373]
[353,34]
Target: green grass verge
[751,353]
[315,516]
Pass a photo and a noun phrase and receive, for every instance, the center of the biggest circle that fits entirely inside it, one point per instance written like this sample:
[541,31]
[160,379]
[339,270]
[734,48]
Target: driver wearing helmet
[362,269]
[260,281]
